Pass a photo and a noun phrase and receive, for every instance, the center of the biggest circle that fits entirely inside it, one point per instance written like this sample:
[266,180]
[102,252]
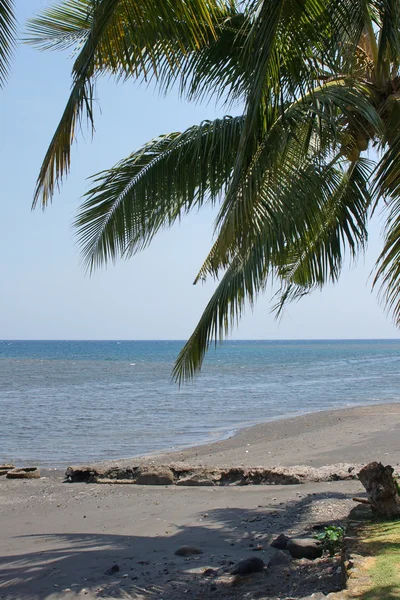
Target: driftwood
[381,488]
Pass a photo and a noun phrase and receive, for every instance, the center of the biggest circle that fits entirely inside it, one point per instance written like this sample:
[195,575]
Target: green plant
[331,538]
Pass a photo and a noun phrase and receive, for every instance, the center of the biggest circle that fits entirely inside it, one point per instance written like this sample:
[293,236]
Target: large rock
[279,559]
[304,548]
[155,476]
[248,566]
[5,468]
[188,551]
[280,542]
[25,473]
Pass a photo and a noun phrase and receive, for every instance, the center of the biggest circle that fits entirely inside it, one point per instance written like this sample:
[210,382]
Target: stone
[248,566]
[25,473]
[280,542]
[210,572]
[188,551]
[304,548]
[5,468]
[155,476]
[196,480]
[280,558]
[112,570]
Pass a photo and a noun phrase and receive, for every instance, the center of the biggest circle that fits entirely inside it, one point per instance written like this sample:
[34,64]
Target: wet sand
[58,540]
[354,435]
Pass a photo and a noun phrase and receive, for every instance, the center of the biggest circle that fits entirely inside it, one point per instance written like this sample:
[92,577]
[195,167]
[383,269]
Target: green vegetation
[292,177]
[382,542]
[7,37]
[331,538]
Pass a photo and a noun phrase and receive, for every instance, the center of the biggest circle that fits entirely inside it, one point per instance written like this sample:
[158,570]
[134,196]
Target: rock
[188,551]
[248,566]
[280,542]
[279,559]
[25,473]
[5,468]
[114,569]
[210,572]
[195,480]
[315,596]
[155,476]
[304,548]
[80,474]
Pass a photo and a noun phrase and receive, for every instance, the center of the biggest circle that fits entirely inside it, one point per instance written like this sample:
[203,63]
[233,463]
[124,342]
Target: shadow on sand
[78,562]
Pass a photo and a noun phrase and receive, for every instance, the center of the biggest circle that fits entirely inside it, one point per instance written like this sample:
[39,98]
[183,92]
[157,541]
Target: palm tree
[7,37]
[320,84]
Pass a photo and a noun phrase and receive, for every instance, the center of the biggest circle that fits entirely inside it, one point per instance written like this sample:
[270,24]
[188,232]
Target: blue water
[64,402]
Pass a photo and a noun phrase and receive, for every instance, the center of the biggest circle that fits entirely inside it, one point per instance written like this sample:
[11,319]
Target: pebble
[112,570]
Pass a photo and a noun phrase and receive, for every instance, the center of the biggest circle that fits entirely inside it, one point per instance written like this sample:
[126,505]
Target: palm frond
[388,264]
[154,187]
[242,282]
[8,31]
[64,25]
[309,127]
[316,256]
[125,36]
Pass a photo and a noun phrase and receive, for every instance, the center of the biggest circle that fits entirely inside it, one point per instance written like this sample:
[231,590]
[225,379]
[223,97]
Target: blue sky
[45,292]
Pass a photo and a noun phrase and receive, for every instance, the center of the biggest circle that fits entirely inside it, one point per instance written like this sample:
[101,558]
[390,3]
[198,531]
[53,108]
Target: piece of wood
[362,501]
[381,489]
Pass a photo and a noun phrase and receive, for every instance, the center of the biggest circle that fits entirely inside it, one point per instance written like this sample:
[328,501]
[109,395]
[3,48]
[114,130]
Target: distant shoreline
[343,435]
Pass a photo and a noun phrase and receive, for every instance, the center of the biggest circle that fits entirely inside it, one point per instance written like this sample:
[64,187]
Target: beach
[59,540]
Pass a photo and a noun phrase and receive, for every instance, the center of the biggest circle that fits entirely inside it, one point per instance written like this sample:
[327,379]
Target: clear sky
[45,293]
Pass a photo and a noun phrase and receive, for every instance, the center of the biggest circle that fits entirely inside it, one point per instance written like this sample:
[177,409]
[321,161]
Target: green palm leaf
[8,30]
[154,187]
[121,36]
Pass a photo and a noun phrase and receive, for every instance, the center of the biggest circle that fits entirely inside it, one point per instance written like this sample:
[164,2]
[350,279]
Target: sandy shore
[354,435]
[58,540]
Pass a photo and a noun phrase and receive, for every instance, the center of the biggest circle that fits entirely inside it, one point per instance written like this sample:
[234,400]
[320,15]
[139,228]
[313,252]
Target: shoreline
[283,442]
[342,435]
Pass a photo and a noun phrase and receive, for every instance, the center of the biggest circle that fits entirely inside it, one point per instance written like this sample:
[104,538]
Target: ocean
[69,402]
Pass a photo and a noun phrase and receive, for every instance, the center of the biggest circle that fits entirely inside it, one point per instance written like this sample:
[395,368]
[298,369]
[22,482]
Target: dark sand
[57,540]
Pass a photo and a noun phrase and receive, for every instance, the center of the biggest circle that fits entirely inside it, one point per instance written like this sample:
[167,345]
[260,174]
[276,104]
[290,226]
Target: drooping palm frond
[241,283]
[388,272]
[316,257]
[318,214]
[288,42]
[120,36]
[8,30]
[310,125]
[61,26]
[388,263]
[154,187]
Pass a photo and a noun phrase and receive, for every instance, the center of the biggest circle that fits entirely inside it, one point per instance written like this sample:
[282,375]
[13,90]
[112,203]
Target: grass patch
[380,544]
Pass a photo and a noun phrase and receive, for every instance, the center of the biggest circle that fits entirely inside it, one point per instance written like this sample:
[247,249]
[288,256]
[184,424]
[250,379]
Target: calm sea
[64,402]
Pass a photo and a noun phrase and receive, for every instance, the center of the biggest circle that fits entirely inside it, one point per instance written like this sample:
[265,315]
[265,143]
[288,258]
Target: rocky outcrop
[4,469]
[183,474]
[25,473]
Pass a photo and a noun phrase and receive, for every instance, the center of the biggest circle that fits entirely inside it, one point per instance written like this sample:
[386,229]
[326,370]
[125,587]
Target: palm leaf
[154,187]
[119,36]
[8,30]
